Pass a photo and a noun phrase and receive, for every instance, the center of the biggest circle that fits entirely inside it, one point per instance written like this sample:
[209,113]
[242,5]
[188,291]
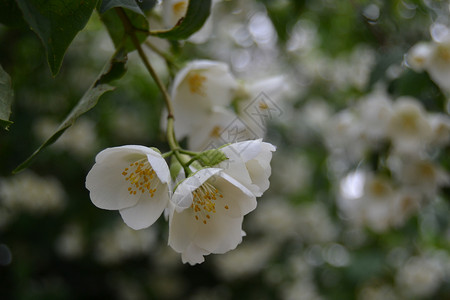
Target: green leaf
[211,157]
[128,4]
[196,15]
[6,98]
[114,69]
[56,22]
[116,29]
[10,14]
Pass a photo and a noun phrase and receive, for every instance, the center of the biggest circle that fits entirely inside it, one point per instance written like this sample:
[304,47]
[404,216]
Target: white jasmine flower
[422,174]
[118,242]
[419,56]
[408,127]
[207,214]
[71,243]
[440,125]
[31,193]
[341,131]
[434,57]
[259,103]
[131,179]
[247,260]
[249,163]
[197,89]
[374,112]
[276,218]
[173,11]
[79,139]
[219,127]
[420,276]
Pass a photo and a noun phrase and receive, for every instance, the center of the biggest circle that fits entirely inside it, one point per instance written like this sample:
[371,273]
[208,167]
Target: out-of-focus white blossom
[433,56]
[247,260]
[378,204]
[377,291]
[314,224]
[421,276]
[199,88]
[31,193]
[440,126]
[408,128]
[80,139]
[71,243]
[343,130]
[275,218]
[260,102]
[374,112]
[423,175]
[120,242]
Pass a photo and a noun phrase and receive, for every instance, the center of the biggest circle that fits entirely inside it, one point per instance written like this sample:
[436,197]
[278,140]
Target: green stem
[191,153]
[173,144]
[130,30]
[167,57]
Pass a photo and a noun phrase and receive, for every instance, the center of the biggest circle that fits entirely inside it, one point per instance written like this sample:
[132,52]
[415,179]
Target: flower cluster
[394,144]
[205,205]
[212,107]
[433,56]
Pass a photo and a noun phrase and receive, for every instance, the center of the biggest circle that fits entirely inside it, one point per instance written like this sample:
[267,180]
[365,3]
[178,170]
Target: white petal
[235,193]
[220,235]
[212,129]
[182,196]
[107,186]
[159,165]
[194,255]
[147,210]
[223,230]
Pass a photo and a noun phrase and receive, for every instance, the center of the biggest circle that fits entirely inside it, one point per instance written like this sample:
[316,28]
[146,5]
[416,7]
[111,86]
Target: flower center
[204,202]
[140,176]
[195,82]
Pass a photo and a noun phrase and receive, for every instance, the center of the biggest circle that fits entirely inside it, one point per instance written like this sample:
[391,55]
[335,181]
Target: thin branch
[131,31]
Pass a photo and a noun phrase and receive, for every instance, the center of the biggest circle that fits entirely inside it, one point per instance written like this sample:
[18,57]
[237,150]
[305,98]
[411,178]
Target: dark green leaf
[116,29]
[6,98]
[56,22]
[196,15]
[114,69]
[146,5]
[129,4]
[10,14]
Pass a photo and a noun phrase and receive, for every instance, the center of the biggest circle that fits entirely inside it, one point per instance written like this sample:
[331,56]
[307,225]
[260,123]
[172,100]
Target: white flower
[173,11]
[132,179]
[419,55]
[440,125]
[374,113]
[219,127]
[207,214]
[197,89]
[31,193]
[420,277]
[434,57]
[249,163]
[259,102]
[409,128]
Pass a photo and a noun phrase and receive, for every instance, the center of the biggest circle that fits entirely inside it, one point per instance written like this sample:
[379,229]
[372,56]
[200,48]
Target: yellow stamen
[195,82]
[140,175]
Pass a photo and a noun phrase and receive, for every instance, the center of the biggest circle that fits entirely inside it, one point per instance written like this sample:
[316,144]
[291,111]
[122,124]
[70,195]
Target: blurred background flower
[358,206]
